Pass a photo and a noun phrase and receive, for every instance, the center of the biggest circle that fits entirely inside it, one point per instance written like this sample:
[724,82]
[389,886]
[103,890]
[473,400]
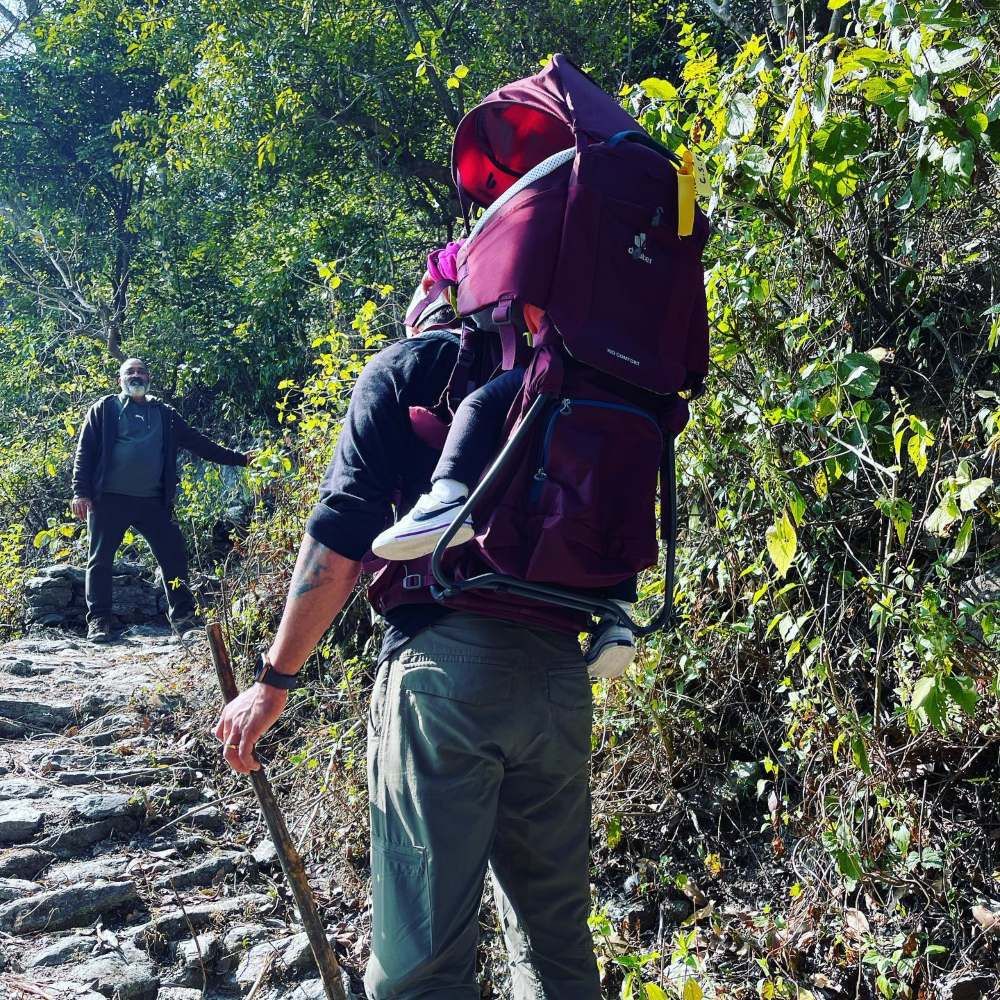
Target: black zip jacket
[97,439]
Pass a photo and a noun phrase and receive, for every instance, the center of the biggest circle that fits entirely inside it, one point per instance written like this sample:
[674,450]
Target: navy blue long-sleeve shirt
[379,460]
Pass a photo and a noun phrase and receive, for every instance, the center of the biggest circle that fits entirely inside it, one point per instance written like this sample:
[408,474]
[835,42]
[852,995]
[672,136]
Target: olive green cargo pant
[479,754]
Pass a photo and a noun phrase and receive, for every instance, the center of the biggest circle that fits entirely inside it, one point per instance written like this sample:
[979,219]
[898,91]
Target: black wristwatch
[266,674]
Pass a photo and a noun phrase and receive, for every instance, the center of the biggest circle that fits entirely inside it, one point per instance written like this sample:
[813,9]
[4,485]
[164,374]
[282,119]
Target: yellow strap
[685,195]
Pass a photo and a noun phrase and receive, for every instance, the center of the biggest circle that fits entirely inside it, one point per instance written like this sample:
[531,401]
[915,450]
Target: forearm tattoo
[310,568]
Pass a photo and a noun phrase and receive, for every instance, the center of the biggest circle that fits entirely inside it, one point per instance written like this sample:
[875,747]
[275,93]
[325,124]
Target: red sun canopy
[518,126]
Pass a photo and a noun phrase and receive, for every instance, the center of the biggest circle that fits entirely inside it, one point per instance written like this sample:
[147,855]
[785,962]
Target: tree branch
[720,9]
[450,112]
[831,255]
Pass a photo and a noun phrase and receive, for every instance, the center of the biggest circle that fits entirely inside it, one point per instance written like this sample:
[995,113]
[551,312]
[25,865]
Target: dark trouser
[474,436]
[112,515]
[479,755]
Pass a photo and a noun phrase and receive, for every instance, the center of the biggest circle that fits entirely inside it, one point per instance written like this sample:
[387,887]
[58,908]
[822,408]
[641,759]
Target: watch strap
[266,674]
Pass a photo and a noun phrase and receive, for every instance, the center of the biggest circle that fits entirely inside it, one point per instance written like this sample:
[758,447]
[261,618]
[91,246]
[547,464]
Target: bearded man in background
[125,476]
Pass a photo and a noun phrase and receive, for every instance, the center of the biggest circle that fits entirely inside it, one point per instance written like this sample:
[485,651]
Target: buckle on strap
[413,581]
[503,311]
[503,319]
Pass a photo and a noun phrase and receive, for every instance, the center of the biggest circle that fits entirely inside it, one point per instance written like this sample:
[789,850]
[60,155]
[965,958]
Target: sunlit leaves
[932,694]
[266,151]
[920,439]
[459,73]
[692,990]
[661,90]
[962,542]
[742,117]
[795,160]
[899,512]
[858,373]
[958,161]
[881,91]
[970,490]
[821,92]
[959,494]
[698,69]
[781,543]
[949,57]
[864,57]
[840,138]
[919,103]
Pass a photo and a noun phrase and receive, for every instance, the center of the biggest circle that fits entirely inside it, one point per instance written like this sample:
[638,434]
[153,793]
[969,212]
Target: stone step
[37,715]
[89,920]
[136,776]
[17,888]
[18,822]
[59,909]
[64,949]
[204,873]
[24,862]
[170,924]
[73,839]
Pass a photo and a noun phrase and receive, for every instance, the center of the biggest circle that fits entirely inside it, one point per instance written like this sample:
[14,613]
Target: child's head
[427,308]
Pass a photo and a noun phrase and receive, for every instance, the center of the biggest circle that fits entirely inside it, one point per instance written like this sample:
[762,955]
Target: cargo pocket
[376,726]
[401,912]
[595,488]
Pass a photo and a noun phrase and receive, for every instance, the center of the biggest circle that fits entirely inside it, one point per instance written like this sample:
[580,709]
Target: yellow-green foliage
[836,658]
[12,577]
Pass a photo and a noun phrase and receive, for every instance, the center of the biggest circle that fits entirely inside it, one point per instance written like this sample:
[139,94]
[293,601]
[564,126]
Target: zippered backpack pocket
[592,495]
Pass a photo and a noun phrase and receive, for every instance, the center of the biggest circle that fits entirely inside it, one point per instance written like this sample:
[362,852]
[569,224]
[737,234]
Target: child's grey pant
[479,753]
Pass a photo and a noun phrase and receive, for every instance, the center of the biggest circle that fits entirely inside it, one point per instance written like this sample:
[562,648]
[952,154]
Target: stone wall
[55,597]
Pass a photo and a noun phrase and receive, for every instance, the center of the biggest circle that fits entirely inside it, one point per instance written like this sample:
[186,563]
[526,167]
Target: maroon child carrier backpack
[592,225]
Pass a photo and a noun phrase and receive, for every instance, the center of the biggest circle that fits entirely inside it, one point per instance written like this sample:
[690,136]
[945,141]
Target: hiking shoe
[99,630]
[417,533]
[612,649]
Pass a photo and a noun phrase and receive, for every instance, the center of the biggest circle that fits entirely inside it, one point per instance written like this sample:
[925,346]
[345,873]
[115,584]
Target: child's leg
[475,430]
[471,443]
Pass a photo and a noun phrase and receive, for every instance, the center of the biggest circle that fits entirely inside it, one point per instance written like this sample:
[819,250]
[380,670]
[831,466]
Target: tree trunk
[122,271]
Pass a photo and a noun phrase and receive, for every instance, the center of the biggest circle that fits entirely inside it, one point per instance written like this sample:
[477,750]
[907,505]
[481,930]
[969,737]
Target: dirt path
[121,875]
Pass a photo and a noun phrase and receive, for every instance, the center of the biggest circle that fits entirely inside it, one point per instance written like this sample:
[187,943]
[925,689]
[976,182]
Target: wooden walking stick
[291,860]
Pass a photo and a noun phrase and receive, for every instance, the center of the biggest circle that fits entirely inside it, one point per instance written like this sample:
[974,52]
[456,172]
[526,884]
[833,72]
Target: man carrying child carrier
[480,719]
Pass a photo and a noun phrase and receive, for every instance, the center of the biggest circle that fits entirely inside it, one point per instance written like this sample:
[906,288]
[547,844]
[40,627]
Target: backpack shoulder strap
[462,381]
[504,320]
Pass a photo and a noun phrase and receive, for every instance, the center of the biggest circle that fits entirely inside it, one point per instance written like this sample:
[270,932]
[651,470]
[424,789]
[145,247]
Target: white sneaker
[611,651]
[417,533]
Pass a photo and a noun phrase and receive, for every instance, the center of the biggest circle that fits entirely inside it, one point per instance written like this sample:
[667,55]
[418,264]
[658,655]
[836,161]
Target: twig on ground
[194,937]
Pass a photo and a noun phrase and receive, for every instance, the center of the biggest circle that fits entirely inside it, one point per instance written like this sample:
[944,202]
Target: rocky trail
[122,872]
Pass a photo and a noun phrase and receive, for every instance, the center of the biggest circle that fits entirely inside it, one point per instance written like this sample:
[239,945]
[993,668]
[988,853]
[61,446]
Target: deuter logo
[623,357]
[638,249]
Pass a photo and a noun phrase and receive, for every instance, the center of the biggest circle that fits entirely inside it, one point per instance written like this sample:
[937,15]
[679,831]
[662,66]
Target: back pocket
[469,679]
[569,687]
